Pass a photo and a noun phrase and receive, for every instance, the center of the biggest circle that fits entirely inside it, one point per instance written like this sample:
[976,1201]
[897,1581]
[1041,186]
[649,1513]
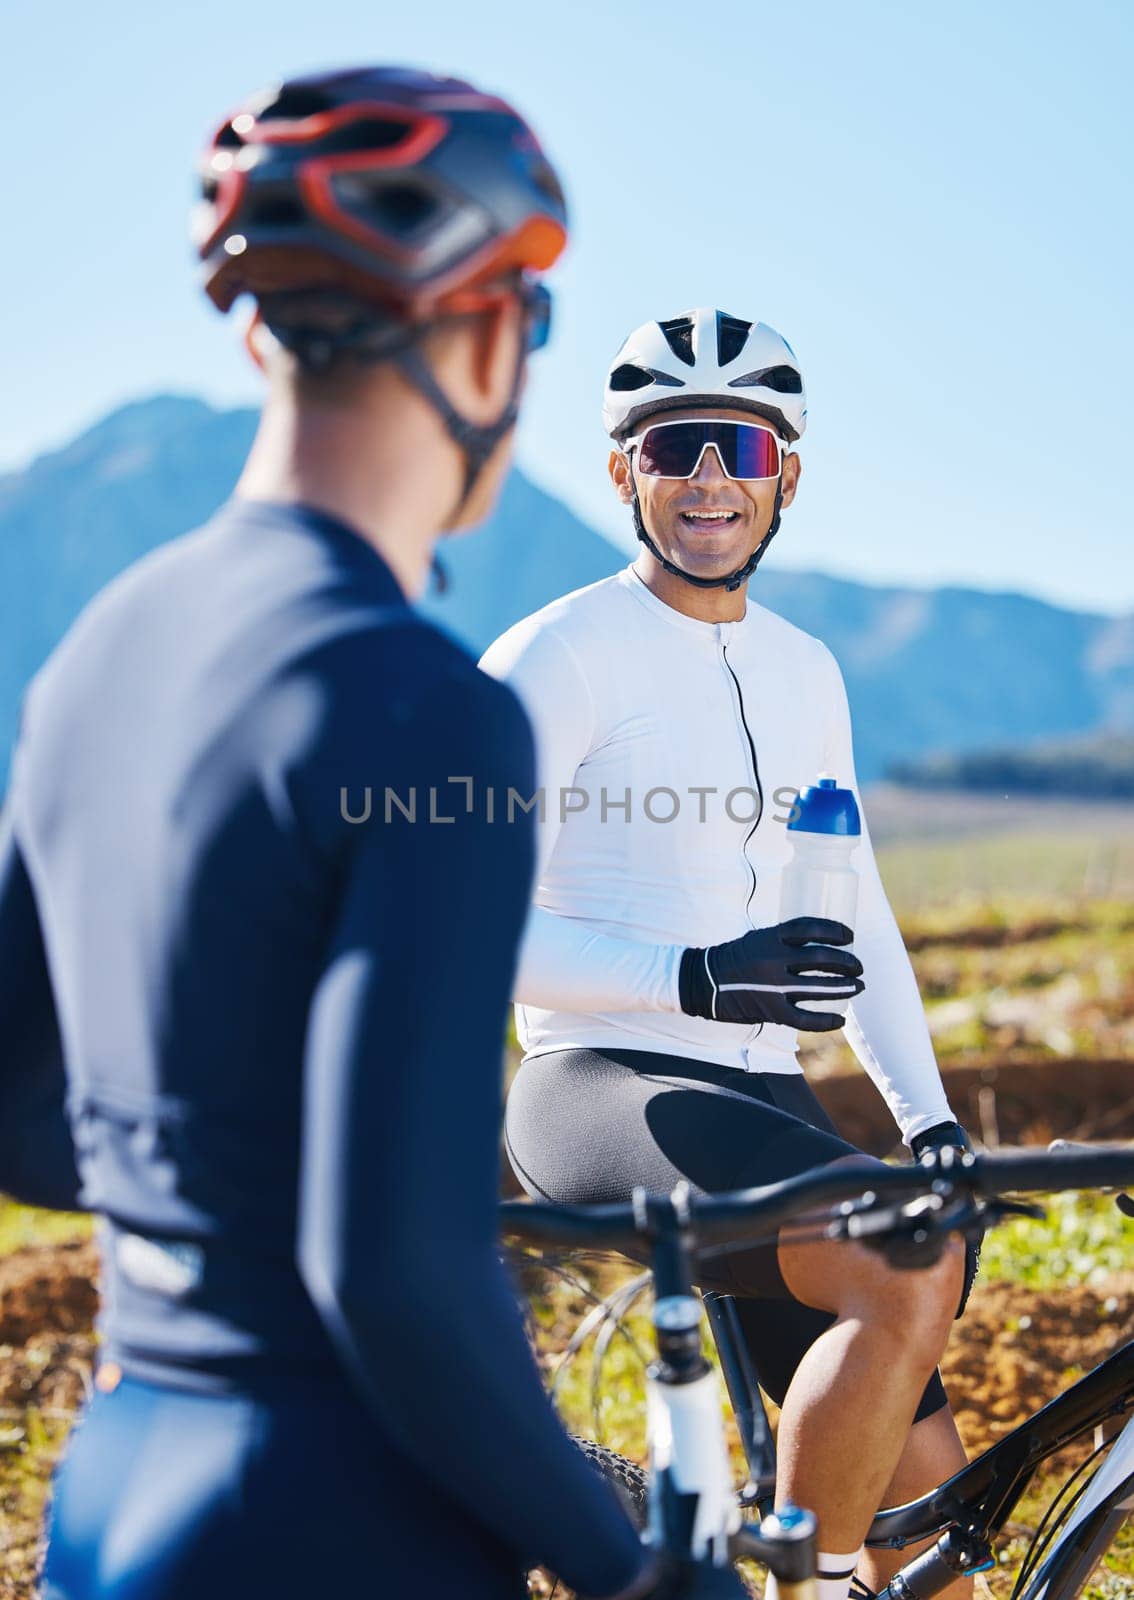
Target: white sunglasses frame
[680,422]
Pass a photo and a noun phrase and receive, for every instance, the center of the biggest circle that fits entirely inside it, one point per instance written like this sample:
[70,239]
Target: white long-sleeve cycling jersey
[670,754]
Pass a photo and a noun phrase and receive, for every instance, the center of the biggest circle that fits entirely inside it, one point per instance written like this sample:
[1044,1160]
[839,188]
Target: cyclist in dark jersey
[279,996]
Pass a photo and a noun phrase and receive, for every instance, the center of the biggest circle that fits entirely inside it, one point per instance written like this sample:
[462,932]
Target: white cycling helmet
[705,356]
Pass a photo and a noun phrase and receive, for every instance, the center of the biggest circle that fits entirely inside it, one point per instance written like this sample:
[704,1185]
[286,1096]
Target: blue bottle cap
[825,808]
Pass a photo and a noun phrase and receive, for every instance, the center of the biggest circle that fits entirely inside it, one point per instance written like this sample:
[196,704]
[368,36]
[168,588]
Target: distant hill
[932,670]
[158,468]
[1099,767]
[957,669]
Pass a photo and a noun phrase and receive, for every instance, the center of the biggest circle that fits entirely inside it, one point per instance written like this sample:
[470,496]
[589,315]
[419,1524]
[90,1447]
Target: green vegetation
[1000,875]
[1023,979]
[1046,987]
[1084,1239]
[29,1446]
[23,1225]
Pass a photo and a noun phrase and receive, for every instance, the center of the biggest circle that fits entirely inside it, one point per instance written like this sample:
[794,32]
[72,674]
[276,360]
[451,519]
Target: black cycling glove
[942,1136]
[763,975]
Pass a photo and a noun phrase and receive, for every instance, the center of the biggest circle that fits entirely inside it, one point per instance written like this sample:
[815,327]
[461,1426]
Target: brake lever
[998,1210]
[912,1234]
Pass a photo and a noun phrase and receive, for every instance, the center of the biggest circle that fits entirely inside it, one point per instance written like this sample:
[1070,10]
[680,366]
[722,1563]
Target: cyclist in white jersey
[657,995]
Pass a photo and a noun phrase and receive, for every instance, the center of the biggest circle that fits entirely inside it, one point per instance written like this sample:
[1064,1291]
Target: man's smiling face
[710,524]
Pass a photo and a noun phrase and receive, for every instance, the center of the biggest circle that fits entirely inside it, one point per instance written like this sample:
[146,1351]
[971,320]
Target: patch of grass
[1017,980]
[1084,1239]
[29,1446]
[997,869]
[25,1225]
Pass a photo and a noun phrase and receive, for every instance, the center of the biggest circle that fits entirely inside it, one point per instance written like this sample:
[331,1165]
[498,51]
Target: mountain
[958,669]
[157,468]
[933,670]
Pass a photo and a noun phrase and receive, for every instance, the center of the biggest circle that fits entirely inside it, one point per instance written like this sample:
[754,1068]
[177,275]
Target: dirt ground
[1014,1350]
[48,1300]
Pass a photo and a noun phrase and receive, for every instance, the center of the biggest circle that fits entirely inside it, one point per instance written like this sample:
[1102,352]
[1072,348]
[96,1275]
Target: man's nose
[710,473]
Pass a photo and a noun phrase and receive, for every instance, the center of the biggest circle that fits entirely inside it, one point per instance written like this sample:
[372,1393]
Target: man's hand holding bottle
[774,975]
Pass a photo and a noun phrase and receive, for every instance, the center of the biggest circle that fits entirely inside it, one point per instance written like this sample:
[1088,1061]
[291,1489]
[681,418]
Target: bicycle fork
[692,1505]
[693,1511]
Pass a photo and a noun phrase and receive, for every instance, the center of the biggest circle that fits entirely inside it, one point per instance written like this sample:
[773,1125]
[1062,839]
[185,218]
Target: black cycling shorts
[584,1126]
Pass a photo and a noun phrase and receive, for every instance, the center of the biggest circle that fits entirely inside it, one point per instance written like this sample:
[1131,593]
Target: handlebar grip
[1071,1168]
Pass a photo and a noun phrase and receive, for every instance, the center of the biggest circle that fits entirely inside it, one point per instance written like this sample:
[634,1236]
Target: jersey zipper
[755,776]
[758,1028]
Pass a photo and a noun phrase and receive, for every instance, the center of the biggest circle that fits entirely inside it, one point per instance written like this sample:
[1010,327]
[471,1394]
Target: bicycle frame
[686,1438]
[1093,1525]
[974,1505]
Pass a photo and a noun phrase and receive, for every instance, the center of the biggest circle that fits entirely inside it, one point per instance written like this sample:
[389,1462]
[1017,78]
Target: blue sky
[932,202]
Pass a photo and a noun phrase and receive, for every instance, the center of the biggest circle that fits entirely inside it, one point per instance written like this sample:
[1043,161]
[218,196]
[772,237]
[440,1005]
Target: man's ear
[496,348]
[255,335]
[619,468]
[793,467]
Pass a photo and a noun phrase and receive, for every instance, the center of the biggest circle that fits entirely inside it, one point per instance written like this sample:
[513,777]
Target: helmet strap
[731,581]
[374,341]
[476,441]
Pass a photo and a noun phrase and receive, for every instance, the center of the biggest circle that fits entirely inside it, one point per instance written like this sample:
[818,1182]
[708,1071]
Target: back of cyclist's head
[385,217]
[474,357]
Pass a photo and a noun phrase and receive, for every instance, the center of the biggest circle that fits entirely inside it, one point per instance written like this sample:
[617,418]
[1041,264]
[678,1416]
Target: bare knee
[913,1310]
[919,1305]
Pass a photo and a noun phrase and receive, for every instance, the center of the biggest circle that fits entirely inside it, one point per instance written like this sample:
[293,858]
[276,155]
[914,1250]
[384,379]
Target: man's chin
[702,563]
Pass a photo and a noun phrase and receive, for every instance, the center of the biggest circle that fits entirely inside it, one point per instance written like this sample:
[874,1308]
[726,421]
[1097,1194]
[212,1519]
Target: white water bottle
[820,879]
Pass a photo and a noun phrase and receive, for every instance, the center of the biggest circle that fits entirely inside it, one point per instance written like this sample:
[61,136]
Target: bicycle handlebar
[748,1212]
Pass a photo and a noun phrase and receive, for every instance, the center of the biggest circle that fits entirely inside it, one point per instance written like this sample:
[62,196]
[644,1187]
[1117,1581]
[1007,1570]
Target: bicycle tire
[626,1478]
[1072,1564]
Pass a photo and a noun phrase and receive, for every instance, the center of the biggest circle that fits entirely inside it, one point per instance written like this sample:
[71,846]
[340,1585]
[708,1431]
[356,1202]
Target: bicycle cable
[1040,1541]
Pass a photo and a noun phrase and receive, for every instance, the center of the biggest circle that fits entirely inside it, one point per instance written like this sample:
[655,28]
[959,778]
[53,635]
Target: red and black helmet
[392,185]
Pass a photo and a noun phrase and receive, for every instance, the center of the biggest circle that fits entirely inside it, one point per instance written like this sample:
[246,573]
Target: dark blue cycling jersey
[281,1023]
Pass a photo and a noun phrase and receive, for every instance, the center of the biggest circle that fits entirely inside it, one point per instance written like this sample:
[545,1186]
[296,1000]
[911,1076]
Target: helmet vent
[678,333]
[732,336]
[396,208]
[404,207]
[628,376]
[366,133]
[782,380]
[275,211]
